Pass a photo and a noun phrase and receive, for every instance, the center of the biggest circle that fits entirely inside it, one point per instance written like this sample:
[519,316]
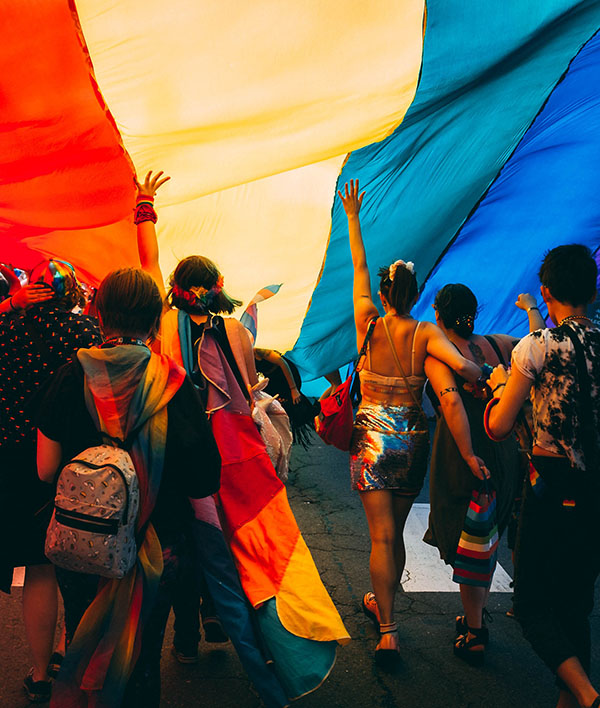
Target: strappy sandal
[387,652]
[463,628]
[465,648]
[369,607]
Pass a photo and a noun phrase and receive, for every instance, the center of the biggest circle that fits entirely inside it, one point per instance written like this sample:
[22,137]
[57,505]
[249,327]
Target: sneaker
[187,656]
[37,691]
[213,630]
[54,664]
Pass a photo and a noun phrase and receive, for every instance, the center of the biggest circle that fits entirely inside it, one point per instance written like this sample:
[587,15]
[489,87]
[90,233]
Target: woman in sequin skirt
[390,442]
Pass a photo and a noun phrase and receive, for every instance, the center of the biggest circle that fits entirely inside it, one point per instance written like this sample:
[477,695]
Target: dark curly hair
[198,271]
[402,291]
[570,274]
[457,306]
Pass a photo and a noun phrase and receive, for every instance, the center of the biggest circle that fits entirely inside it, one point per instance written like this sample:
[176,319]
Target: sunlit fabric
[65,180]
[252,108]
[546,195]
[487,70]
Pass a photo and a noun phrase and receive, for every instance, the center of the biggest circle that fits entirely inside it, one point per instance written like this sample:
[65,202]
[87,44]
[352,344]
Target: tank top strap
[412,356]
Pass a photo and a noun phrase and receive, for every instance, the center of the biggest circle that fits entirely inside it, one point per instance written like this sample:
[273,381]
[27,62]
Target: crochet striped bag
[477,549]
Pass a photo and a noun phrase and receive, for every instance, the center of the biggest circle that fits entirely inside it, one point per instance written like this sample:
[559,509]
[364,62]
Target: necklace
[572,318]
[115,341]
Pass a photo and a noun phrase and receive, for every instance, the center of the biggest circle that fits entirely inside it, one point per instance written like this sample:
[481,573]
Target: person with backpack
[146,412]
[38,333]
[557,554]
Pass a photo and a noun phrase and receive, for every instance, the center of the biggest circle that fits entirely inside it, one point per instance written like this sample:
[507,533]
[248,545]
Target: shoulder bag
[334,422]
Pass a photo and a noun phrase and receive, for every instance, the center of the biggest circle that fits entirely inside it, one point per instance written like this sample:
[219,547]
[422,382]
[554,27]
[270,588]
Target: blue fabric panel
[235,612]
[487,69]
[301,664]
[546,195]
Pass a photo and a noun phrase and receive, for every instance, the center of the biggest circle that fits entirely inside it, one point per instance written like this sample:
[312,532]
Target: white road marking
[18,577]
[425,571]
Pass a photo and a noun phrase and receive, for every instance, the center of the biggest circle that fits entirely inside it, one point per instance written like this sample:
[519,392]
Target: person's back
[122,391]
[34,343]
[549,358]
[558,527]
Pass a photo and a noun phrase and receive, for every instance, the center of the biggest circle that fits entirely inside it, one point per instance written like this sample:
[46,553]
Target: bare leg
[40,611]
[402,507]
[386,516]
[572,673]
[473,600]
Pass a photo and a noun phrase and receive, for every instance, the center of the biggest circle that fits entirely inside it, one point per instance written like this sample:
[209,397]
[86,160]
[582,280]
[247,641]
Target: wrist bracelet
[12,307]
[533,307]
[486,420]
[144,211]
[497,387]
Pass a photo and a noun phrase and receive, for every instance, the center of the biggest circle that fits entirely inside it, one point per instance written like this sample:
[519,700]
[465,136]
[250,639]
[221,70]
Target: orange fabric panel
[64,174]
[262,549]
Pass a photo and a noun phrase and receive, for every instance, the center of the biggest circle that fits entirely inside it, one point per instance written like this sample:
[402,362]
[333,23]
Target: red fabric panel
[248,479]
[64,172]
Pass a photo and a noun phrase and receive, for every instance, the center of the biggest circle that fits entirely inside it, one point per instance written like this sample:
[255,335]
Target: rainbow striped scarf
[125,387]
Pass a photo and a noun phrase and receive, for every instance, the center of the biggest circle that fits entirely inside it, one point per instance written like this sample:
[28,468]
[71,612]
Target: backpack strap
[398,364]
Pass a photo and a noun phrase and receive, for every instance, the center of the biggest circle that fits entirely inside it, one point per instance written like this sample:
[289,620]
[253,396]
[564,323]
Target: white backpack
[95,511]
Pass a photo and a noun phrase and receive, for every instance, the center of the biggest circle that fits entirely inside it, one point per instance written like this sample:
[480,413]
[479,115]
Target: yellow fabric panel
[252,108]
[303,605]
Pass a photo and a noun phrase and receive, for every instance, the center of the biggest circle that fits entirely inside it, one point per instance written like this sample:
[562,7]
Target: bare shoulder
[429,329]
[364,311]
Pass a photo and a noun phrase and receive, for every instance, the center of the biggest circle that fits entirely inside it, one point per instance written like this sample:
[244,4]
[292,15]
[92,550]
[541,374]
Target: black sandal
[464,648]
[596,703]
[463,628]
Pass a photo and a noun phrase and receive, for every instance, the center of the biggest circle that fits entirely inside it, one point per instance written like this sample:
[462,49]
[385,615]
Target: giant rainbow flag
[473,126]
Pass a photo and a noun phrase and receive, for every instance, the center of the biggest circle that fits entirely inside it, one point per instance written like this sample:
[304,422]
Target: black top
[33,344]
[192,461]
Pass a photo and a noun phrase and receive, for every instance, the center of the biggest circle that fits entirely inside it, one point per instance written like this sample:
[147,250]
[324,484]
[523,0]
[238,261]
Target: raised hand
[151,184]
[30,295]
[351,198]
[525,301]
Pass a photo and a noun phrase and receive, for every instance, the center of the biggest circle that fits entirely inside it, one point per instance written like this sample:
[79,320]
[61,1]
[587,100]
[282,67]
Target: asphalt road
[332,521]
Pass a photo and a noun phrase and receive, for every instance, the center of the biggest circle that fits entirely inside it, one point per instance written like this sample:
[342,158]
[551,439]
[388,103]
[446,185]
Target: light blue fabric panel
[546,195]
[300,664]
[487,69]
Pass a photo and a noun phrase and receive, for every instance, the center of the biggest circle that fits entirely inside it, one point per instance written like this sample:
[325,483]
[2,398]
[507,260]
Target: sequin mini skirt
[389,449]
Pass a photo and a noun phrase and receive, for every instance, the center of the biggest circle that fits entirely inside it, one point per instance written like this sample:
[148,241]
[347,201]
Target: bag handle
[398,364]
[586,410]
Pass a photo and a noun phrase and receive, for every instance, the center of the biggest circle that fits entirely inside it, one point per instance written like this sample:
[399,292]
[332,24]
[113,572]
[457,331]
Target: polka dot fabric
[33,345]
